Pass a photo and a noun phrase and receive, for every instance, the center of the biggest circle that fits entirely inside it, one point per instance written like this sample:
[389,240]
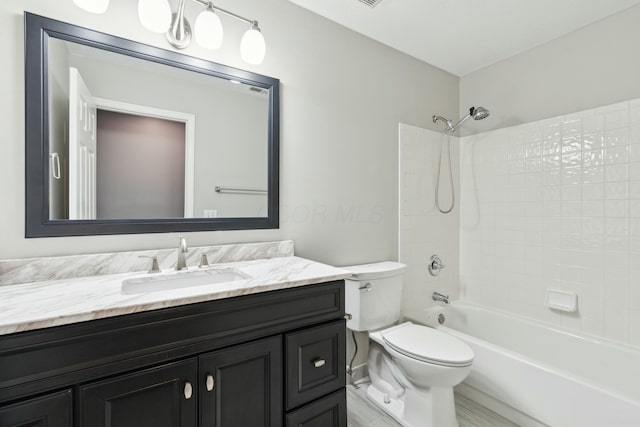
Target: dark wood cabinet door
[330,411]
[53,410]
[241,386]
[163,396]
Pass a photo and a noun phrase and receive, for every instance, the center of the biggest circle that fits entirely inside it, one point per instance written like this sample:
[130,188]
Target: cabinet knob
[319,363]
[188,390]
[210,382]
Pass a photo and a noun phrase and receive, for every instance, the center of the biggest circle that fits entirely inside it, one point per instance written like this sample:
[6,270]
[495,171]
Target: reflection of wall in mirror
[228,152]
[58,128]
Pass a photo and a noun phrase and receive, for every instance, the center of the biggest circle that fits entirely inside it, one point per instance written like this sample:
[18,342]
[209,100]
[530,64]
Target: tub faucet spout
[437,296]
[182,249]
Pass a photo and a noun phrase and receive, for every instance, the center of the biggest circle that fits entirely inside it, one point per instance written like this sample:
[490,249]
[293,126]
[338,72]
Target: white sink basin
[180,279]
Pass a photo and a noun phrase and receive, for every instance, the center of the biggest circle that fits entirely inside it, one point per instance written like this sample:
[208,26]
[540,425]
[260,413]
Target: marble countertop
[44,304]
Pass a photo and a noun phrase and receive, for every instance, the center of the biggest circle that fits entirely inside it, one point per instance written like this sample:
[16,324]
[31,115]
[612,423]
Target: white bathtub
[536,375]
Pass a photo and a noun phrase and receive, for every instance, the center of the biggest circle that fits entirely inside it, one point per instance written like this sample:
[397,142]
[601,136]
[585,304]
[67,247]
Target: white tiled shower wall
[556,204]
[423,230]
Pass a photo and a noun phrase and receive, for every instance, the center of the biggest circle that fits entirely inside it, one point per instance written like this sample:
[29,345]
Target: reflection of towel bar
[238,190]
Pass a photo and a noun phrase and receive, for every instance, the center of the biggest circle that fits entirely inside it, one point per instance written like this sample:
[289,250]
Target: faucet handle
[435,265]
[155,268]
[204,262]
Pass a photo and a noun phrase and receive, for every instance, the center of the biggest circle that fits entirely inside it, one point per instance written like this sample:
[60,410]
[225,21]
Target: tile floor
[362,413]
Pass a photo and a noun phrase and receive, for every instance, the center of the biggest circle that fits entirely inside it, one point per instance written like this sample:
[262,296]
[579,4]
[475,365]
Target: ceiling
[461,36]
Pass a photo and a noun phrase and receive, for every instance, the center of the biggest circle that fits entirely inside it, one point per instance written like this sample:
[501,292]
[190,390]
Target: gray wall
[342,97]
[596,65]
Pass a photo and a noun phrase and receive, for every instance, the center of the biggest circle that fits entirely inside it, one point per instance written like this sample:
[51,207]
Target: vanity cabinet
[270,359]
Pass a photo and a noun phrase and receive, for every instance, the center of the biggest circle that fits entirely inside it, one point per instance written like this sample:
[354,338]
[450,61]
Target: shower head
[479,113]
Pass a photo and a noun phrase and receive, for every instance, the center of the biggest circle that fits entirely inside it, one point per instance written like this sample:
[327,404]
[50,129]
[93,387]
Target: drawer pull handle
[188,390]
[319,363]
[210,382]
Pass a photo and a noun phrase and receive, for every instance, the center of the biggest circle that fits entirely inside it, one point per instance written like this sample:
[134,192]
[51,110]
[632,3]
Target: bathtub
[539,376]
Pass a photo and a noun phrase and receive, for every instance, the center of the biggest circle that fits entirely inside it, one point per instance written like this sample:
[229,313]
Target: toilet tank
[373,295]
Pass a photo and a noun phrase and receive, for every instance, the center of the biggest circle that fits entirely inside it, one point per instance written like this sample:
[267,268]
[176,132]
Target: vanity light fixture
[157,16]
[93,6]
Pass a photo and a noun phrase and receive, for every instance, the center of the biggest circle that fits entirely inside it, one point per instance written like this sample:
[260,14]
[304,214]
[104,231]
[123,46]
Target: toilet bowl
[413,368]
[426,364]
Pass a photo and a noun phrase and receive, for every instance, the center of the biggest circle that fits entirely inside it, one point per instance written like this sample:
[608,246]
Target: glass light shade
[93,6]
[252,47]
[208,30]
[155,15]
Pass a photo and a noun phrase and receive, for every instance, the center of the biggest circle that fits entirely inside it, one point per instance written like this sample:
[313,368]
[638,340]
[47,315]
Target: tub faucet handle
[435,265]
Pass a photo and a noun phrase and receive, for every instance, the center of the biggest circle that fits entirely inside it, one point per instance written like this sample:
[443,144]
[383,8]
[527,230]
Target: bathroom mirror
[122,137]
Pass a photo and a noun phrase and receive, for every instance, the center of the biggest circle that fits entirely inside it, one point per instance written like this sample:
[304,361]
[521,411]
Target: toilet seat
[428,345]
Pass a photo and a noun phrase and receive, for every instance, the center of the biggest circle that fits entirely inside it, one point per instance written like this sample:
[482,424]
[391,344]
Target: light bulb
[155,15]
[252,46]
[208,30]
[93,6]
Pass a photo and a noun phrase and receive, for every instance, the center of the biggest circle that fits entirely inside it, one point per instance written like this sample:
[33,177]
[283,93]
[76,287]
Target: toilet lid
[428,344]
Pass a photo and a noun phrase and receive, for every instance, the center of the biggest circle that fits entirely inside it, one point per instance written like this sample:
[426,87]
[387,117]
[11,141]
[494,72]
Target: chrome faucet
[437,296]
[182,249]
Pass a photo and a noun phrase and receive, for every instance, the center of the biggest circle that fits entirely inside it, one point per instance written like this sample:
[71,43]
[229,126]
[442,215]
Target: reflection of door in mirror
[82,149]
[141,166]
[127,160]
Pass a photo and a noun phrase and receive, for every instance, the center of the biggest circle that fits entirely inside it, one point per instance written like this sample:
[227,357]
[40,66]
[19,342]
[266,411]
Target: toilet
[413,368]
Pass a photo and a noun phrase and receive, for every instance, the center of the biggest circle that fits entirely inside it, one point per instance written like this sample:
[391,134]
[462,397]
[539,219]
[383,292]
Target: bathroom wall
[423,230]
[556,204]
[594,66]
[342,97]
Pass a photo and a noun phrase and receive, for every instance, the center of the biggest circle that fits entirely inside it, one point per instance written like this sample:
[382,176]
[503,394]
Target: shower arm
[450,128]
[446,122]
[462,120]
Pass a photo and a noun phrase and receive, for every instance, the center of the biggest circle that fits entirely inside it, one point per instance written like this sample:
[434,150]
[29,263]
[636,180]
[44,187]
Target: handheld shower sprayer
[478,113]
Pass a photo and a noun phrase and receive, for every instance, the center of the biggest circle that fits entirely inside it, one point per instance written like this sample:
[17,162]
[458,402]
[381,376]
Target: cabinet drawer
[330,411]
[315,362]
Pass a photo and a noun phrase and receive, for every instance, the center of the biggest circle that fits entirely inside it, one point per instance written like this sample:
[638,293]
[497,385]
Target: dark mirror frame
[38,30]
